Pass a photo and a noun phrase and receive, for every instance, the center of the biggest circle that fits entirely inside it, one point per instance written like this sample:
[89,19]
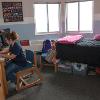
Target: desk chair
[42,60]
[23,77]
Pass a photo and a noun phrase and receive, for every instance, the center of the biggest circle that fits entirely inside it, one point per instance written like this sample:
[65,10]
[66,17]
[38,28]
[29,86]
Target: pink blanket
[70,39]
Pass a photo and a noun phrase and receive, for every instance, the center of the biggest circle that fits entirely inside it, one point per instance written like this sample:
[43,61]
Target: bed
[85,51]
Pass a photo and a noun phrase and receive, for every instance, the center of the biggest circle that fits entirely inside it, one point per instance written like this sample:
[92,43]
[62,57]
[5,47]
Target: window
[46,18]
[79,16]
[72,16]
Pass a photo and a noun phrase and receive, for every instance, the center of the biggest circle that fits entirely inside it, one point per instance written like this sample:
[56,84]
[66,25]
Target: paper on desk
[1,58]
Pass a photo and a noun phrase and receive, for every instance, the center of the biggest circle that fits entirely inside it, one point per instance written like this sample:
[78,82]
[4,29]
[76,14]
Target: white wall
[28,7]
[29,20]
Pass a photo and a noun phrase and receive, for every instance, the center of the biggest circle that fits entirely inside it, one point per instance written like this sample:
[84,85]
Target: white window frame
[48,32]
[66,12]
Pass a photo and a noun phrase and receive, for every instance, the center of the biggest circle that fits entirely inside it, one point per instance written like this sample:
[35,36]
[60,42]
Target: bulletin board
[12,11]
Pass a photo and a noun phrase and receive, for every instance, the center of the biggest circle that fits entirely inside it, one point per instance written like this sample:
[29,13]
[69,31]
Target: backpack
[46,46]
[50,55]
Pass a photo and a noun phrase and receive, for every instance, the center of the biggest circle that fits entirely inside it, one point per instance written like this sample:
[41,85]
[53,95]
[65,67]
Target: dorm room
[60,42]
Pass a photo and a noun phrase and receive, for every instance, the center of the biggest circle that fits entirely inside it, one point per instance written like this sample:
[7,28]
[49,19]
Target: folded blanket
[70,39]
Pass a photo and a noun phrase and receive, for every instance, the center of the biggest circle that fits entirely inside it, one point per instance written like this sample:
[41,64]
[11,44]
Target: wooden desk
[3,82]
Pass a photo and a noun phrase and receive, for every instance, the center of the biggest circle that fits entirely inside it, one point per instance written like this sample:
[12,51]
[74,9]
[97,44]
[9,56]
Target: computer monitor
[3,32]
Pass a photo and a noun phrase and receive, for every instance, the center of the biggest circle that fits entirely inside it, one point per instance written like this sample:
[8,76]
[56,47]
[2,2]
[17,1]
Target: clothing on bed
[86,51]
[70,39]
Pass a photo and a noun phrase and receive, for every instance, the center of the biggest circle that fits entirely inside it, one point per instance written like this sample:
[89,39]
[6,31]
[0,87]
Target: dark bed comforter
[85,51]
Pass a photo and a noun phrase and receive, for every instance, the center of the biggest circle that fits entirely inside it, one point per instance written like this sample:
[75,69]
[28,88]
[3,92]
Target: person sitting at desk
[16,56]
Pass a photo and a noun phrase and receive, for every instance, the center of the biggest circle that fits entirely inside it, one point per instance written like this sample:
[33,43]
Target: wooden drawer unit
[3,82]
[2,94]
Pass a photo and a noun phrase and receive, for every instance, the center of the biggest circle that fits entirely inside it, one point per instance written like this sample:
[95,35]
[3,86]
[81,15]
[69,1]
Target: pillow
[97,37]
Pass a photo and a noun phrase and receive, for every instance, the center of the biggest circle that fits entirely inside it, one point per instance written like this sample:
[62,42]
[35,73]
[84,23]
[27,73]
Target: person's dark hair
[12,35]
[52,40]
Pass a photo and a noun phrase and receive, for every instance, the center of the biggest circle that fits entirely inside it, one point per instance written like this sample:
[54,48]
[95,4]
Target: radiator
[35,45]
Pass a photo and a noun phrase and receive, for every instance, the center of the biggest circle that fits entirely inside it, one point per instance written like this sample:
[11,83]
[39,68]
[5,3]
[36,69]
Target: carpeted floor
[61,86]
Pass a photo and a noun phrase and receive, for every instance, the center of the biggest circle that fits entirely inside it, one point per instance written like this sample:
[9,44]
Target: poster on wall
[12,11]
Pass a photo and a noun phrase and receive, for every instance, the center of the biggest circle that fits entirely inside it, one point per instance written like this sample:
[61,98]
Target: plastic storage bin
[65,67]
[79,69]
